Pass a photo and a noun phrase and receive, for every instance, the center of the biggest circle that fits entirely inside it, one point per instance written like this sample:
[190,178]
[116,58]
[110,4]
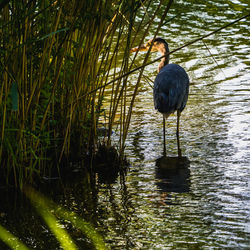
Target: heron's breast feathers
[171,89]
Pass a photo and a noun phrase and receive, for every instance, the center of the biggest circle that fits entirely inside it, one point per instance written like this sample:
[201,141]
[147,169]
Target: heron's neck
[163,49]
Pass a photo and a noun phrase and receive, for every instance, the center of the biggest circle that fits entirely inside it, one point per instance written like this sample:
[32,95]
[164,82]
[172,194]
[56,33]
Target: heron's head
[157,44]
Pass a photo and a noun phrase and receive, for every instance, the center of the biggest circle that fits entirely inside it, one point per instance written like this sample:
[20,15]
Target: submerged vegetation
[59,64]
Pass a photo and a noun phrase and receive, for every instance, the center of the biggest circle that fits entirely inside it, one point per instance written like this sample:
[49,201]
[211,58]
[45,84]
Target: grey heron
[171,86]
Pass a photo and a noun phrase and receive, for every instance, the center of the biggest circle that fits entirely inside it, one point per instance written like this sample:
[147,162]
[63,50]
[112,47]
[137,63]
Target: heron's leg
[177,133]
[164,136]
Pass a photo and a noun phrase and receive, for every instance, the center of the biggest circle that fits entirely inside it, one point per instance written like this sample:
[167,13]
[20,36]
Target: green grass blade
[10,240]
[14,96]
[61,234]
[84,226]
[43,208]
[52,33]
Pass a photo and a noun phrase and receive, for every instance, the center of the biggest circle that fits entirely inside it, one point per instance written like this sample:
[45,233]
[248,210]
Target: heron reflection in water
[171,86]
[173,174]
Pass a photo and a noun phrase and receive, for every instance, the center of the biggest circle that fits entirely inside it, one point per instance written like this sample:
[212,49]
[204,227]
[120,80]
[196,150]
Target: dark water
[203,201]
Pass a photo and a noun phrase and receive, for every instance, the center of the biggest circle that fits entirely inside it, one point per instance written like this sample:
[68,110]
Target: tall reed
[57,60]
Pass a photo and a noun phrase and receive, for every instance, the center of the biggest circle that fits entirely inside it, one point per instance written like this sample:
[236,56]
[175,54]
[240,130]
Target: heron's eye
[149,44]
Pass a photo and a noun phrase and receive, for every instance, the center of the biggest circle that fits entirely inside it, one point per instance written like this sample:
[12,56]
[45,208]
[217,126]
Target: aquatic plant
[63,74]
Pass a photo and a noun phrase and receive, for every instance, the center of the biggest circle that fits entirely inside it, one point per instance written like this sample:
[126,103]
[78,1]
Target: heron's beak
[141,48]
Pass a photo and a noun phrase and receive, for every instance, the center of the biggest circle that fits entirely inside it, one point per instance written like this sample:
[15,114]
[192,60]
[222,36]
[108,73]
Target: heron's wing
[171,89]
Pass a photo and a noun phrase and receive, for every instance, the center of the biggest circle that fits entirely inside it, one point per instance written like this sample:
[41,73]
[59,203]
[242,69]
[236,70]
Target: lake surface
[204,203]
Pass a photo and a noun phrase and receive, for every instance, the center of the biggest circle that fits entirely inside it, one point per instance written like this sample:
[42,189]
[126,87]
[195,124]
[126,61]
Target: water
[208,206]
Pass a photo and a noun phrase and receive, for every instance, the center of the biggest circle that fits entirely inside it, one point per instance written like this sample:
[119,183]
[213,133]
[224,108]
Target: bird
[171,85]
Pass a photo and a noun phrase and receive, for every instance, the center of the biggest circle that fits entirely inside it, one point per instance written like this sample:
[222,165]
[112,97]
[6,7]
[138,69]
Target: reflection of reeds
[60,57]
